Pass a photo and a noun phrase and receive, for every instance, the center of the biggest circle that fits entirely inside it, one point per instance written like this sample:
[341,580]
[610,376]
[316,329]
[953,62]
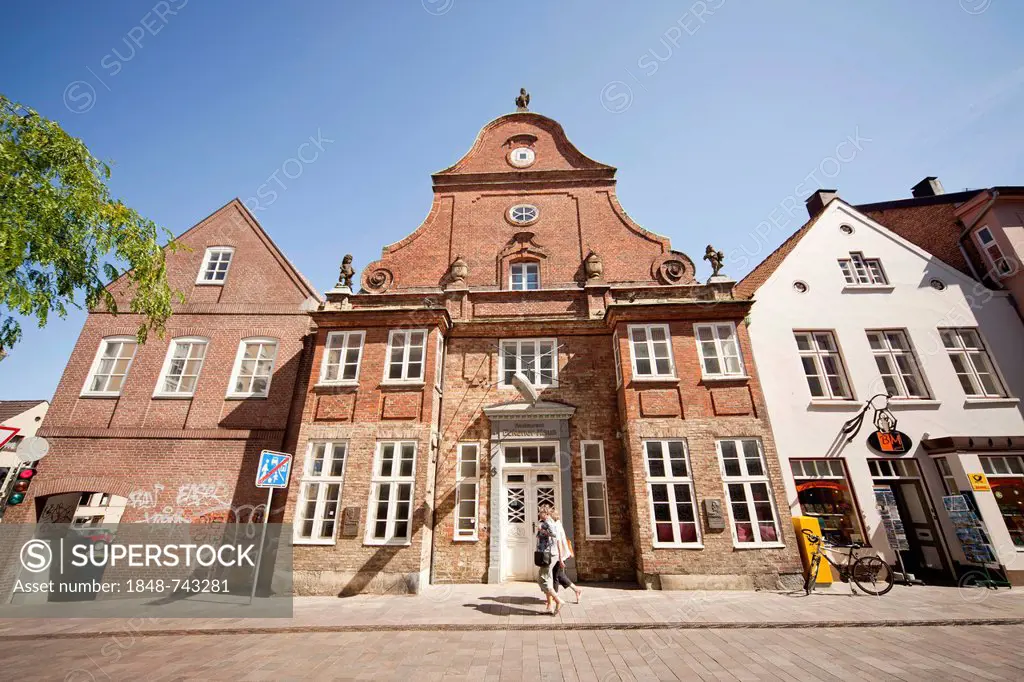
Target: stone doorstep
[548,626]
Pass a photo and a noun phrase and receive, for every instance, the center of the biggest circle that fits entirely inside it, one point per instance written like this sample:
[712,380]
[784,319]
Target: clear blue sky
[712,121]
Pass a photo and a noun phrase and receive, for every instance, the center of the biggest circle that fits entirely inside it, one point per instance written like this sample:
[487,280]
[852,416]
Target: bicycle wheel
[812,574]
[872,575]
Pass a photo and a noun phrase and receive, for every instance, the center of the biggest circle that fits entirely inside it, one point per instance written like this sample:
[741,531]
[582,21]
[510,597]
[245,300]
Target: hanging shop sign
[979,482]
[890,442]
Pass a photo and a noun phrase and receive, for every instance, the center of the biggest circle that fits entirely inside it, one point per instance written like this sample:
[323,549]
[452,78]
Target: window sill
[687,545]
[336,384]
[211,284]
[543,387]
[385,543]
[99,395]
[240,396]
[465,539]
[399,384]
[726,377]
[991,402]
[655,380]
[913,403]
[868,288]
[830,404]
[173,396]
[313,543]
[599,538]
[763,545]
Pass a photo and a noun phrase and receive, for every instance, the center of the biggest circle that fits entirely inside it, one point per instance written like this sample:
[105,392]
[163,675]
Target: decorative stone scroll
[673,267]
[378,280]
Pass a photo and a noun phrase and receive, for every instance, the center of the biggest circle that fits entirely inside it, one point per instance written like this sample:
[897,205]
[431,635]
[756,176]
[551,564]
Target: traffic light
[20,486]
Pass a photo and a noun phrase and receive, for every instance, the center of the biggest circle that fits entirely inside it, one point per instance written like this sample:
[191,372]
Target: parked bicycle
[869,573]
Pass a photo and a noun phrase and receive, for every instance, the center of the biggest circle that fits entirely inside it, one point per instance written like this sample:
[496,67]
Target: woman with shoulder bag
[561,578]
[546,557]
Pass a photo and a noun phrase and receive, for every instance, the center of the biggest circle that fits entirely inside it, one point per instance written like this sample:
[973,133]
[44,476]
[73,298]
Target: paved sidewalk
[519,606]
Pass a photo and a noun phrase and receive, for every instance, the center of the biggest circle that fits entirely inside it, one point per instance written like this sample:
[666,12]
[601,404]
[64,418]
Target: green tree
[61,233]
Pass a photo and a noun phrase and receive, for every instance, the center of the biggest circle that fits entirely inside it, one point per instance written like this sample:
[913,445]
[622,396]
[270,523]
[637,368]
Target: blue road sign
[273,469]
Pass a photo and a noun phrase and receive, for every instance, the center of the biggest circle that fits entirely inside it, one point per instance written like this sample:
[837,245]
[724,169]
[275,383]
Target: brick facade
[191,458]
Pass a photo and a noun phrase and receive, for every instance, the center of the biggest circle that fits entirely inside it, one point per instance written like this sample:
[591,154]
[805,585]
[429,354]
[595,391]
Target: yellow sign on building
[979,482]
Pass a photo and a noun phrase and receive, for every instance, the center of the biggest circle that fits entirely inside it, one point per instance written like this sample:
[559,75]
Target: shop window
[860,271]
[467,491]
[670,490]
[389,521]
[719,350]
[749,492]
[536,359]
[1006,476]
[595,491]
[897,364]
[824,492]
[342,354]
[316,514]
[651,351]
[892,468]
[823,367]
[972,363]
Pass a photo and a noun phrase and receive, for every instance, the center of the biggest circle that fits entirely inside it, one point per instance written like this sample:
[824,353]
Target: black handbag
[541,559]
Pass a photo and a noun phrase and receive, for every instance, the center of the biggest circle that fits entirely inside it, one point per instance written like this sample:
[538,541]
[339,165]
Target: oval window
[523,214]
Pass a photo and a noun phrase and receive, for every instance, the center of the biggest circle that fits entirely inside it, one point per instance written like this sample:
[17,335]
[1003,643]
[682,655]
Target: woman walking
[547,556]
[561,578]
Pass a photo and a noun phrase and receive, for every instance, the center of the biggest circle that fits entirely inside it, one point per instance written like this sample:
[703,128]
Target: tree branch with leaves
[62,235]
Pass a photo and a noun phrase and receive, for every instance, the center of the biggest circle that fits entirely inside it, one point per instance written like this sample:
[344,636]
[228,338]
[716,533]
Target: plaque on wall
[350,522]
[713,514]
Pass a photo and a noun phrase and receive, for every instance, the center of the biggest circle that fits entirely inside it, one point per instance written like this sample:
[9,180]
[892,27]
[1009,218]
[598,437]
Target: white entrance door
[525,491]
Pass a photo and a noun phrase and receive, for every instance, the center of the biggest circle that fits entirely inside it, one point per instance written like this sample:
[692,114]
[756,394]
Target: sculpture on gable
[347,271]
[523,100]
[715,258]
[593,268]
[458,271]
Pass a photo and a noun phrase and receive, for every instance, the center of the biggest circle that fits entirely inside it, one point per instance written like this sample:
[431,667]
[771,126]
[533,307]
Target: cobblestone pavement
[899,653]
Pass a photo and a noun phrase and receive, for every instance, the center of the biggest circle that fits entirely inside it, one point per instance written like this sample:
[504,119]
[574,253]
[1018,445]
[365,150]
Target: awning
[944,444]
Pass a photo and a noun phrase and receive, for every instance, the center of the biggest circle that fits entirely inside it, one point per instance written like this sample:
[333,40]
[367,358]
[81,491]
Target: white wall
[28,424]
[805,430]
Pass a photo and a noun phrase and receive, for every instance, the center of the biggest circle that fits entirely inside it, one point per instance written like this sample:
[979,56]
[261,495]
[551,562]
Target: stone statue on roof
[715,258]
[523,101]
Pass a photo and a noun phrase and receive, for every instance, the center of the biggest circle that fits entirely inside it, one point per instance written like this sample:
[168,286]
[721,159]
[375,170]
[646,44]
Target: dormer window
[524,276]
[523,214]
[216,262]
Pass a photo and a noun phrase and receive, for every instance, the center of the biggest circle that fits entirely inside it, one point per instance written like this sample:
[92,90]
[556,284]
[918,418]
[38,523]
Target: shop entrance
[526,488]
[926,558]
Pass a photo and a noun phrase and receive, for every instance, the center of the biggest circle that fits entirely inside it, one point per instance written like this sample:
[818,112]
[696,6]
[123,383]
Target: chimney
[817,202]
[929,187]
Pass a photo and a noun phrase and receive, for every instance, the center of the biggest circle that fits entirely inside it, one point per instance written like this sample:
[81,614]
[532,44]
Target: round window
[800,287]
[523,214]
[521,157]
[846,229]
[938,284]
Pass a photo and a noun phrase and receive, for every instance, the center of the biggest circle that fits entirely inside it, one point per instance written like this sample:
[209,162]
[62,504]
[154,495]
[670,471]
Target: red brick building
[169,431]
[638,410]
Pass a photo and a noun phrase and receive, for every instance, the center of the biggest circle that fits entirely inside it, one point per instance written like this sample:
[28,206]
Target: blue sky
[720,115]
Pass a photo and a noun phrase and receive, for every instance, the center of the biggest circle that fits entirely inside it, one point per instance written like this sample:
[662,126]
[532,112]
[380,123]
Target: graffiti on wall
[194,502]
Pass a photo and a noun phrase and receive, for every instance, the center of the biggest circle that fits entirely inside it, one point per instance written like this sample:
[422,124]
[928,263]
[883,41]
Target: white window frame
[993,252]
[393,482]
[670,481]
[525,266]
[973,375]
[720,354]
[406,335]
[601,479]
[891,354]
[236,369]
[948,479]
[859,271]
[617,355]
[649,345]
[1005,466]
[323,481]
[748,480]
[534,374]
[817,354]
[467,452]
[345,336]
[208,257]
[160,391]
[513,210]
[94,369]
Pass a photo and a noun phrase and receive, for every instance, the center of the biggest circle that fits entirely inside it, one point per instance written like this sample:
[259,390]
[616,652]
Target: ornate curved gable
[523,175]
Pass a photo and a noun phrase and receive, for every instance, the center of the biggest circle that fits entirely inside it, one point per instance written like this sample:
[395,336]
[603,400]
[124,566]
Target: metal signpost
[271,472]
